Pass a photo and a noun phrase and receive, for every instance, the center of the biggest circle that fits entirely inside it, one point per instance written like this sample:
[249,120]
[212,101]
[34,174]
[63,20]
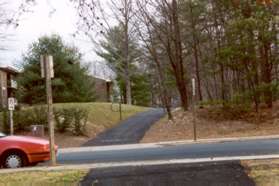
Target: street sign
[194,86]
[11,107]
[50,60]
[47,72]
[11,103]
[43,61]
[42,64]
[194,109]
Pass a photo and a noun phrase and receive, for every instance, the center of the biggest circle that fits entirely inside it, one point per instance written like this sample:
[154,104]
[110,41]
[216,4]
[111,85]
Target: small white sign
[51,68]
[11,103]
[13,84]
[42,64]
[194,86]
[43,60]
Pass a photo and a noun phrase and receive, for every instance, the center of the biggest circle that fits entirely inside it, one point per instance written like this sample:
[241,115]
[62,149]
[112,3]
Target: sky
[48,17]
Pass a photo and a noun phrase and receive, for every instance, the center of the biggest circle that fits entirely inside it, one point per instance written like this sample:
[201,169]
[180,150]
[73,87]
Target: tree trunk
[198,72]
[128,89]
[163,90]
[126,55]
[196,53]
[266,74]
[223,88]
[179,58]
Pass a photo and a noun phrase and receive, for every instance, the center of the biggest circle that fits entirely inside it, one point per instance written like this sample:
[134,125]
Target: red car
[20,151]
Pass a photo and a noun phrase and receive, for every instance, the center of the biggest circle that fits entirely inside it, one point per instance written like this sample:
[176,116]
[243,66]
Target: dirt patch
[212,123]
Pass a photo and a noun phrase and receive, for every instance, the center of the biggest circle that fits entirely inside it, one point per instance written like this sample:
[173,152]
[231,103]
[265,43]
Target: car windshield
[2,135]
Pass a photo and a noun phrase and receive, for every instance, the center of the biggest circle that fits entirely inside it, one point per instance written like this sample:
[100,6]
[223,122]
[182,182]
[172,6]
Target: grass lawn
[263,172]
[103,114]
[67,177]
[101,117]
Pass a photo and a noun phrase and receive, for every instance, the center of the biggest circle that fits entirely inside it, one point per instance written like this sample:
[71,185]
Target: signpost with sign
[194,109]
[47,72]
[11,108]
[117,97]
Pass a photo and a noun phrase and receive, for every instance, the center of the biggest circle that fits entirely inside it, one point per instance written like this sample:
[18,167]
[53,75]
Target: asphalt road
[178,151]
[220,174]
[128,131]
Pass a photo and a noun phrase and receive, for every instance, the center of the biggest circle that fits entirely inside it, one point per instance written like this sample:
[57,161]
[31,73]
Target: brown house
[103,89]
[8,85]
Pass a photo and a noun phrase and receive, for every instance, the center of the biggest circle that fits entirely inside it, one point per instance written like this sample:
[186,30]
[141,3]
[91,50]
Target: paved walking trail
[129,131]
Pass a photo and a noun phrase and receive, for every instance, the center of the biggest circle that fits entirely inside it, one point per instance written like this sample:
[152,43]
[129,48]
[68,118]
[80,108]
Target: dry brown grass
[215,123]
[263,172]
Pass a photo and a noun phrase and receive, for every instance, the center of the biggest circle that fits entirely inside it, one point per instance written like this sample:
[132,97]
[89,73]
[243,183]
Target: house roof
[100,78]
[9,70]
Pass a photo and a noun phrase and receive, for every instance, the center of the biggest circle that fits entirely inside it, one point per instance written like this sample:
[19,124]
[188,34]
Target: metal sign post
[11,107]
[120,108]
[194,109]
[117,95]
[47,72]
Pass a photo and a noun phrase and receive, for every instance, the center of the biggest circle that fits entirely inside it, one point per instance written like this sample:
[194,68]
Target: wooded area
[229,47]
[156,47]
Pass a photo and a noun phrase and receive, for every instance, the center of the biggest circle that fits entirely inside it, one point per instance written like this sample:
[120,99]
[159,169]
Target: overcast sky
[47,17]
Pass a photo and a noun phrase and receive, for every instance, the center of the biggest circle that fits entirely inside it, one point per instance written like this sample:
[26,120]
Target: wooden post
[194,109]
[47,66]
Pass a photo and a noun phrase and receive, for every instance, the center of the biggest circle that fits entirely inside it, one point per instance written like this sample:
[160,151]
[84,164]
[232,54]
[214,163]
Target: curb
[160,144]
[139,163]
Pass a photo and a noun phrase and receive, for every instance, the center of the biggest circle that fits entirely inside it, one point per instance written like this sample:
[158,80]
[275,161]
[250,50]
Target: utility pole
[48,73]
[194,109]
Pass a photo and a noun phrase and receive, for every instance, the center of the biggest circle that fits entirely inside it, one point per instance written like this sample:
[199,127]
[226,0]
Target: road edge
[161,144]
[139,163]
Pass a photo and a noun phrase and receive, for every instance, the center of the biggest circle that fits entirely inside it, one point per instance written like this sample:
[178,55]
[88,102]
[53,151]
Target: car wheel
[14,160]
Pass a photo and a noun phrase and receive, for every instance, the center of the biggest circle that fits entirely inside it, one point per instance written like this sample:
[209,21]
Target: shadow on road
[218,174]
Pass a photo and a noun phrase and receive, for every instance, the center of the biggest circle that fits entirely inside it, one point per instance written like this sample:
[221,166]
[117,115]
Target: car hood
[27,139]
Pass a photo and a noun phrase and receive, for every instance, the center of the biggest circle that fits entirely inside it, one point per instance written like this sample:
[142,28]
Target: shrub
[19,120]
[34,116]
[18,125]
[80,117]
[63,119]
[39,115]
[25,118]
[72,119]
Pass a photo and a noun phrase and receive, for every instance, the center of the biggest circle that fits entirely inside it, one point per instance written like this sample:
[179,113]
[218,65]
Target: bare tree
[10,17]
[145,32]
[5,20]
[162,17]
[234,48]
[102,16]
